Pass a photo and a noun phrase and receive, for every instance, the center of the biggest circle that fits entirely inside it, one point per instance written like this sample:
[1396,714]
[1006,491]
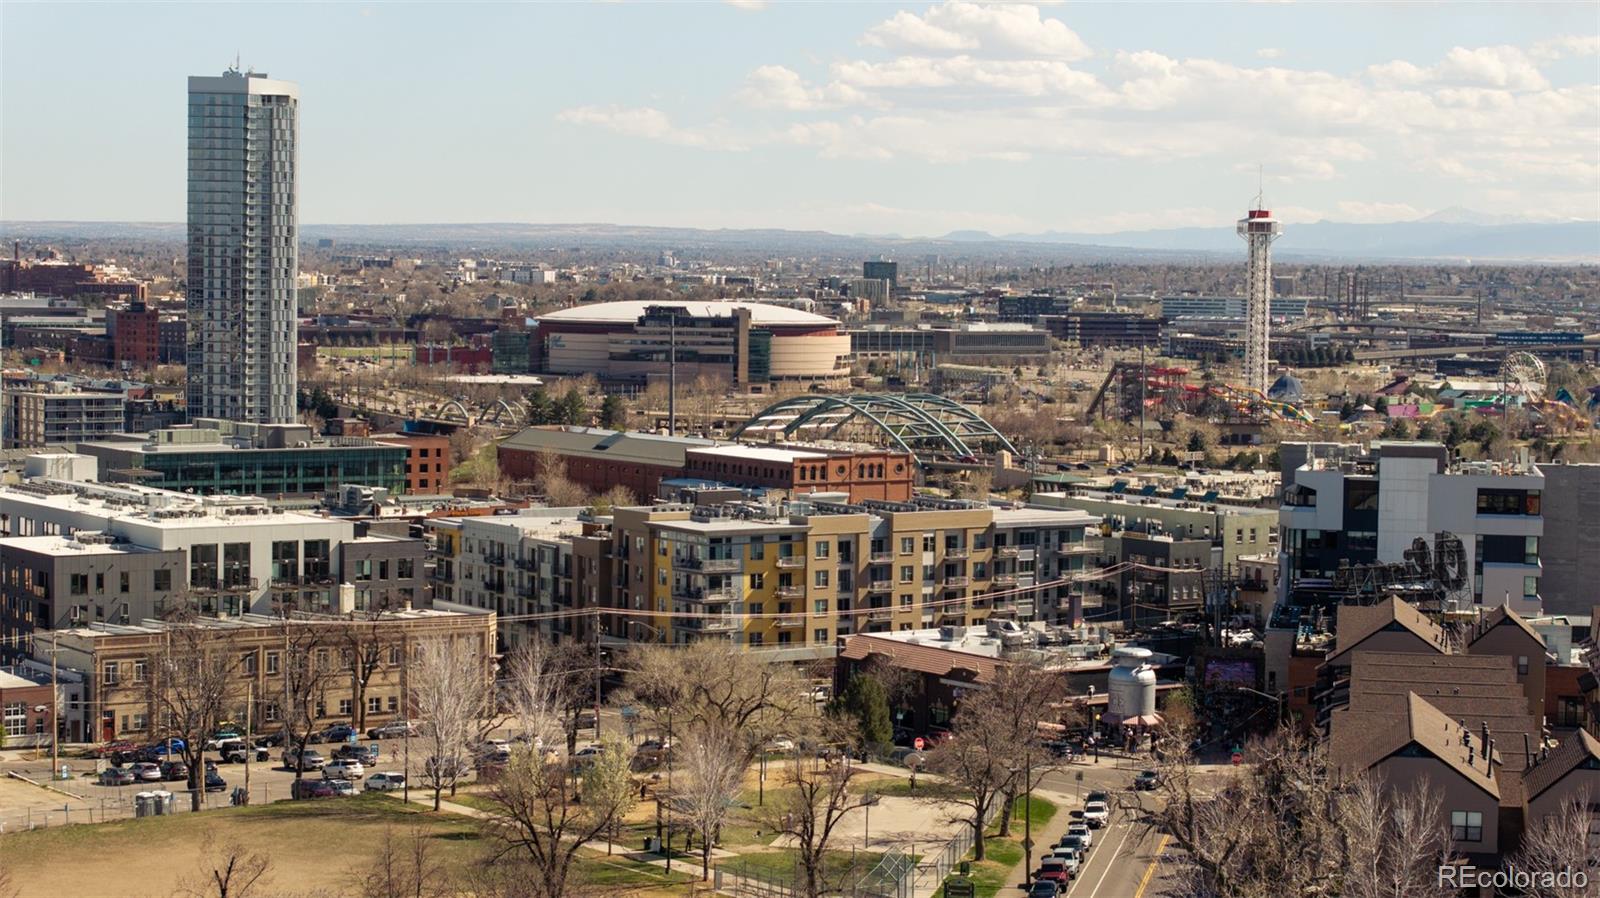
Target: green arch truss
[913,421]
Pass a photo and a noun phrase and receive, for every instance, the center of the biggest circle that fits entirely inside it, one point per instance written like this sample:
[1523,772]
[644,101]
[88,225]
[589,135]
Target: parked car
[313,789]
[339,732]
[343,770]
[354,751]
[155,751]
[173,771]
[446,768]
[146,772]
[310,759]
[1044,888]
[1097,796]
[1146,780]
[820,693]
[1082,831]
[780,744]
[586,719]
[1075,842]
[1053,869]
[270,740]
[1096,813]
[116,776]
[342,787]
[235,751]
[114,749]
[385,782]
[1071,856]
[214,780]
[396,729]
[494,750]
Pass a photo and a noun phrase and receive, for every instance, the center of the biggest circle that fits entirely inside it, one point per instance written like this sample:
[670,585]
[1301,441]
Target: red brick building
[21,697]
[888,476]
[428,461]
[135,334]
[598,459]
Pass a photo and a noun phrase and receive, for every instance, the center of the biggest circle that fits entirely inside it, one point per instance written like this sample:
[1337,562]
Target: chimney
[1485,732]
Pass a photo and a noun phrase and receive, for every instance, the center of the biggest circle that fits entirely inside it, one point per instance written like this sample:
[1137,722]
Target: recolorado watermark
[1470,877]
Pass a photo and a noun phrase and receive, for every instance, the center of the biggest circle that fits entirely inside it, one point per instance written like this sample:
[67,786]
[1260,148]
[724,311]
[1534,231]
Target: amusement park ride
[1165,393]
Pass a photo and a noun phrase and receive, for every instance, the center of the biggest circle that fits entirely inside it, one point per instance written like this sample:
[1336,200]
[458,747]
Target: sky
[856,118]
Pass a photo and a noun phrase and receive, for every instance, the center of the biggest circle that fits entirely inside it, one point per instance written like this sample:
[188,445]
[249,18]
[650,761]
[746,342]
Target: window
[1530,587]
[1505,501]
[907,545]
[138,670]
[405,568]
[141,723]
[122,582]
[927,542]
[907,573]
[819,636]
[247,664]
[823,548]
[1466,826]
[1522,665]
[820,606]
[394,704]
[758,581]
[821,579]
[272,662]
[1360,495]
[78,584]
[162,581]
[109,675]
[15,719]
[375,704]
[269,713]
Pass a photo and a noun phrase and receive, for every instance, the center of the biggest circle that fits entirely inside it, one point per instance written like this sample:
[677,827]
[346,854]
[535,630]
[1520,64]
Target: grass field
[316,847]
[1001,855]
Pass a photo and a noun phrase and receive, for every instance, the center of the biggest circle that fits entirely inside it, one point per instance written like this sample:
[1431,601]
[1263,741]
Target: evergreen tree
[865,702]
[613,412]
[541,410]
[571,409]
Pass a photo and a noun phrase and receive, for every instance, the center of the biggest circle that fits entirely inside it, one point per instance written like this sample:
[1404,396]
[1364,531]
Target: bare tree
[1394,843]
[816,800]
[1019,698]
[1560,841]
[227,870]
[307,672]
[365,643]
[714,686]
[405,867]
[978,762]
[541,826]
[190,682]
[712,766]
[552,483]
[608,788]
[453,691]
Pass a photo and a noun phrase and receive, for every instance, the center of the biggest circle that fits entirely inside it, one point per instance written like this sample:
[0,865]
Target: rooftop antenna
[1261,184]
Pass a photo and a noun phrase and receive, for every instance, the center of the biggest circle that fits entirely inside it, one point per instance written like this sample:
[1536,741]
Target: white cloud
[640,121]
[1269,53]
[955,26]
[747,5]
[1501,67]
[780,87]
[1020,77]
[1567,45]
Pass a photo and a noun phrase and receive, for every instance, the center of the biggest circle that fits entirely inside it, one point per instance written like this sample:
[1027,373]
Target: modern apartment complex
[1232,530]
[79,552]
[1348,507]
[243,247]
[57,414]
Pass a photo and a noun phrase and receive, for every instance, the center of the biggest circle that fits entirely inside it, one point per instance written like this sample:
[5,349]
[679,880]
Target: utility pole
[595,637]
[249,744]
[1142,377]
[55,714]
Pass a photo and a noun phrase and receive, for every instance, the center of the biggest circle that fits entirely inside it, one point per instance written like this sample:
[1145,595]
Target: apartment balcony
[719,596]
[495,560]
[790,592]
[526,564]
[881,558]
[1004,579]
[791,562]
[957,554]
[880,586]
[709,565]
[957,582]
[1005,551]
[881,615]
[790,622]
[1074,549]
[711,623]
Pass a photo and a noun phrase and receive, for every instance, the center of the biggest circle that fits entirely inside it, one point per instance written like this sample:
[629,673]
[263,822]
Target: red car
[1056,873]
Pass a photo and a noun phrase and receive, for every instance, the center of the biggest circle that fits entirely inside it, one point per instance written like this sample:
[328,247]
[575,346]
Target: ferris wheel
[1522,374]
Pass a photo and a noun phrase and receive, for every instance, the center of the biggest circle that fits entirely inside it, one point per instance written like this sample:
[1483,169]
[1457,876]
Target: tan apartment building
[114,661]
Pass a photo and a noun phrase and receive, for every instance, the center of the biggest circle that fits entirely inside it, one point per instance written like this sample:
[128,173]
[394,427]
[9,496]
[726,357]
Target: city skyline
[916,119]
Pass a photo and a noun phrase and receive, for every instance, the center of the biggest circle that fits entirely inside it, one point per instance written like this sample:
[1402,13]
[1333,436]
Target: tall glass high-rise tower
[243,252]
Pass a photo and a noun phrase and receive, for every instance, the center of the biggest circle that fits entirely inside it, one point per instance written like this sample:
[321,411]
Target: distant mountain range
[1451,235]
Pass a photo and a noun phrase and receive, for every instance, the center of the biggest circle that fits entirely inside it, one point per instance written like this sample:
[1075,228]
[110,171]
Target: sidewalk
[1045,839]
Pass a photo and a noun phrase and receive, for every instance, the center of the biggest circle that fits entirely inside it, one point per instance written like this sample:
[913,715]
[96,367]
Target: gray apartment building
[243,252]
[55,414]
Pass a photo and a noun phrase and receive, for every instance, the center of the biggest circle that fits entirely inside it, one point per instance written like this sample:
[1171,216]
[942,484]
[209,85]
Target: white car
[1082,831]
[343,769]
[780,744]
[1096,813]
[385,782]
[1070,856]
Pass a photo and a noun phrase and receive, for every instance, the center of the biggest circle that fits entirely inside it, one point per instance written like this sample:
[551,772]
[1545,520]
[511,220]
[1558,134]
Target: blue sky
[915,119]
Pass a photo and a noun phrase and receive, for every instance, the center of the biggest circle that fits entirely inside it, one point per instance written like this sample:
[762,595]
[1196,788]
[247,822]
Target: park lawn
[779,865]
[314,845]
[476,801]
[926,788]
[1001,855]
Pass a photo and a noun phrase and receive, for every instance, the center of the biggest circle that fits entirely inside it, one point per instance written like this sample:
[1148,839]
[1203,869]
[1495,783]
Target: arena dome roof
[628,312]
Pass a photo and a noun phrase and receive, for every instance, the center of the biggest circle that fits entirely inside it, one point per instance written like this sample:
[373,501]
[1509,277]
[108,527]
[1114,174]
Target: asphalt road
[1123,862]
